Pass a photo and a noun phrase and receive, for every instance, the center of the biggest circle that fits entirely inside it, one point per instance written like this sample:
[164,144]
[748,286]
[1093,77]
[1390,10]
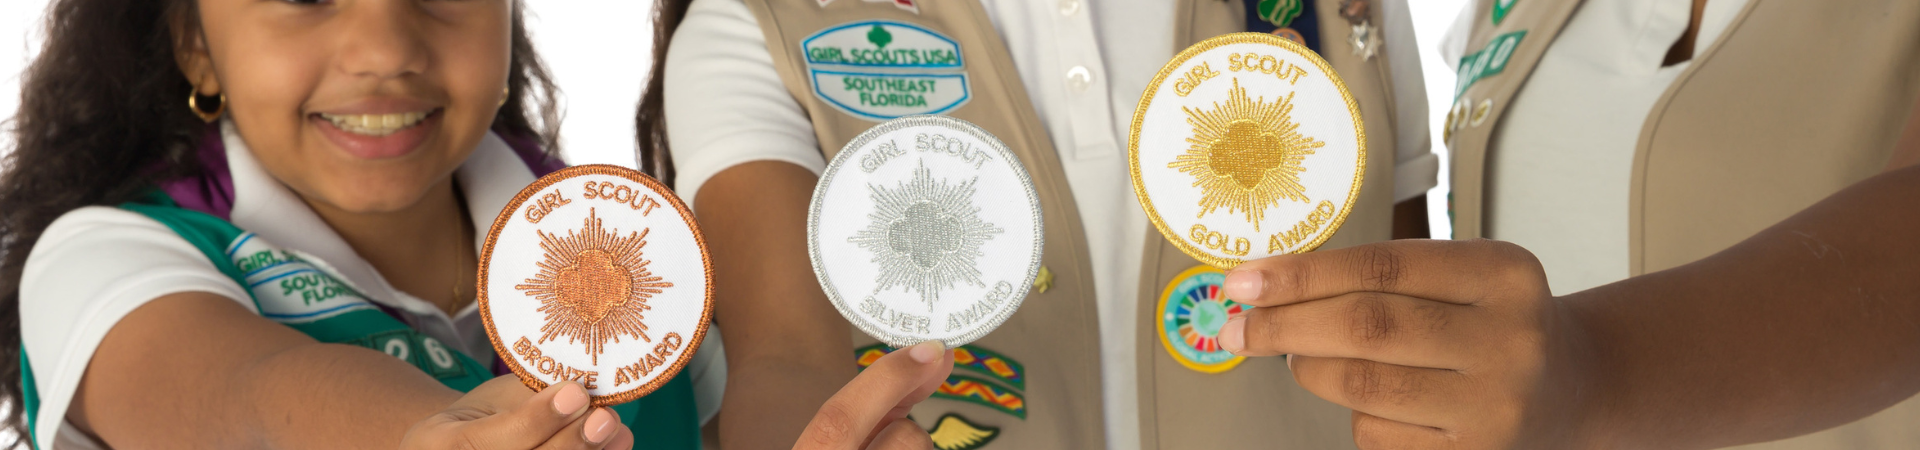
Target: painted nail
[571,398]
[1233,336]
[600,425]
[926,352]
[1242,285]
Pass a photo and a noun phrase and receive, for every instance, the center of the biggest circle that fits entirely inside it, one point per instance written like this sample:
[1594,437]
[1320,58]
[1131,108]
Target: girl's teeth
[374,124]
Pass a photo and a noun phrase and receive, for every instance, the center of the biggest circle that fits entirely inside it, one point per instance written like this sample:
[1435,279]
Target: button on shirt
[1084,64]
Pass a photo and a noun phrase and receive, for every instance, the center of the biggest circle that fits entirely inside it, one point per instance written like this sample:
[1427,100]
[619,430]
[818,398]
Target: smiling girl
[208,198]
[250,224]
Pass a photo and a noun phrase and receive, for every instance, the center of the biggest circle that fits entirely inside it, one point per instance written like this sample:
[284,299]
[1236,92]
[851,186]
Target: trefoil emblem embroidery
[925,235]
[1245,155]
[593,286]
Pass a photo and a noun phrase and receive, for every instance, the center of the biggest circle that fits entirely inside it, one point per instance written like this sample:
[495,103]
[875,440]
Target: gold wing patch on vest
[953,432]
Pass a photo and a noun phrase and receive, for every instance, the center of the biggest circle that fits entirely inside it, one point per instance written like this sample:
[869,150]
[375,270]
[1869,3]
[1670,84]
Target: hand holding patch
[596,274]
[925,228]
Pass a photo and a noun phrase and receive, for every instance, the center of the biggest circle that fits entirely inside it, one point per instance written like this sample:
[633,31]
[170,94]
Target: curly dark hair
[650,121]
[103,117]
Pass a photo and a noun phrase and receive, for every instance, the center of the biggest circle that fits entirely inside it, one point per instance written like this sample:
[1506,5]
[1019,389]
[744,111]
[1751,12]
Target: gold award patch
[1245,146]
[596,274]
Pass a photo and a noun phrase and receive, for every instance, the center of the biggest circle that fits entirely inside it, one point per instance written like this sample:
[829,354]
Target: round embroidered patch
[1192,310]
[596,274]
[1245,146]
[925,228]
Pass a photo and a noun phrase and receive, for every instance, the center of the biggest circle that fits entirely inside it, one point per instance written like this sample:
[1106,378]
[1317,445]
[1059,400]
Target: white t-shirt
[1563,157]
[94,265]
[728,106]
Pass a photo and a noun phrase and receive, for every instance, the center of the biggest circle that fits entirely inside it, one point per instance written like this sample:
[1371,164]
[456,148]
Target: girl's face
[357,105]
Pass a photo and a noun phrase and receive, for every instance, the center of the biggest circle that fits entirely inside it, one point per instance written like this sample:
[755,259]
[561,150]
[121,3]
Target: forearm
[769,402]
[777,382]
[327,396]
[198,371]
[787,349]
[1809,324]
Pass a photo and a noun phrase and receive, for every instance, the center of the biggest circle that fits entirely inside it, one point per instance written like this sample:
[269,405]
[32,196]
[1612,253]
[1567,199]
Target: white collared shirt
[1559,166]
[1084,65]
[94,265]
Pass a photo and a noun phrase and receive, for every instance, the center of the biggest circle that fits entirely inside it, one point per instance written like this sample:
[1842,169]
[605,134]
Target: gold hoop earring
[505,93]
[193,103]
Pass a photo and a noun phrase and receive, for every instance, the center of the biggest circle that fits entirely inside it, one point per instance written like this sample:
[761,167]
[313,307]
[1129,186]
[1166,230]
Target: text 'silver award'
[596,274]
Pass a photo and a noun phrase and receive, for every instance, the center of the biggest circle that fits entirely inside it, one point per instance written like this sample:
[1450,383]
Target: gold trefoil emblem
[1245,154]
[594,286]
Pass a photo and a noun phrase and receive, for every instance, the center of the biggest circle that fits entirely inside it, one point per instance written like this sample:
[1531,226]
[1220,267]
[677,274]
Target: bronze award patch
[596,274]
[1245,146]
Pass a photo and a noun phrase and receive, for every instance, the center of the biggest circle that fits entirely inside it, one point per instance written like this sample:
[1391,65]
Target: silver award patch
[925,228]
[596,274]
[1245,146]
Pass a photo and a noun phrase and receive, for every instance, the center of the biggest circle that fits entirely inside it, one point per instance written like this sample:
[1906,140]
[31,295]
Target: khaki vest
[1055,334]
[1798,99]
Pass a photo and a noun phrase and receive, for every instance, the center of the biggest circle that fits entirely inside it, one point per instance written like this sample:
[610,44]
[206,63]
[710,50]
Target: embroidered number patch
[1487,62]
[880,70]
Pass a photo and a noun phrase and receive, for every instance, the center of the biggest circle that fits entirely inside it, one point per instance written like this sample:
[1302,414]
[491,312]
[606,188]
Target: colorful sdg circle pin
[1192,310]
[596,274]
[1245,146]
[925,228]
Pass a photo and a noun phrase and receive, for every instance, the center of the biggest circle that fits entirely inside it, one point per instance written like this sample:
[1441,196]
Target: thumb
[882,393]
[928,376]
[525,422]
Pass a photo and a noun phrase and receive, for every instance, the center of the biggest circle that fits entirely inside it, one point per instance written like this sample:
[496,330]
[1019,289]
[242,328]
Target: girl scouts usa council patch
[879,69]
[925,228]
[596,274]
[1246,146]
[1192,310]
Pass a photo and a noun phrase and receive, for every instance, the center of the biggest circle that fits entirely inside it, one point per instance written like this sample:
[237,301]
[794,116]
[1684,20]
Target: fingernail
[571,398]
[600,425]
[1233,336]
[1245,284]
[1289,359]
[926,352]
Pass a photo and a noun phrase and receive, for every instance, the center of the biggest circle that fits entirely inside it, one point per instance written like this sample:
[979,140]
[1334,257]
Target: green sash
[295,292]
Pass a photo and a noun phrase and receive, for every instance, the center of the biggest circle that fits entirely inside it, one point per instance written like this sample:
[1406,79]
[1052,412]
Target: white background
[599,52]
